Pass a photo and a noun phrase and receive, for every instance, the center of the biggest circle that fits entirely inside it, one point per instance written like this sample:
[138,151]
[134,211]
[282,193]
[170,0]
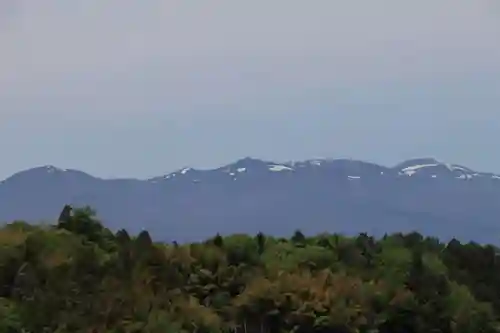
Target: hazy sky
[139,88]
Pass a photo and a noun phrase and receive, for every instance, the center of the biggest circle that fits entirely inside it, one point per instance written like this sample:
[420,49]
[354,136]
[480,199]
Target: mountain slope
[252,195]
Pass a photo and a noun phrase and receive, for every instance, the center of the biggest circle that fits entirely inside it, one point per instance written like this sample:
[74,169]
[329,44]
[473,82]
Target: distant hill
[252,195]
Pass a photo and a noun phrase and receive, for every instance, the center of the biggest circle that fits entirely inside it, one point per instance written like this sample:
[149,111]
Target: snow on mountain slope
[435,169]
[429,168]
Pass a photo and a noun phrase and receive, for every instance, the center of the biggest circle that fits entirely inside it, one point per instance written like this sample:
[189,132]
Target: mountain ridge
[406,164]
[252,195]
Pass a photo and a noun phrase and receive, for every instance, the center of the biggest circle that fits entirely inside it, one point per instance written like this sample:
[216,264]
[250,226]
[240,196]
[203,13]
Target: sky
[125,88]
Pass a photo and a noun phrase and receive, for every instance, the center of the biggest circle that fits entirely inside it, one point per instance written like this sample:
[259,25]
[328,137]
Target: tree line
[78,276]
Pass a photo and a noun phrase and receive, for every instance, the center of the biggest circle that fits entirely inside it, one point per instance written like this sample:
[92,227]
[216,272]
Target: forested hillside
[78,276]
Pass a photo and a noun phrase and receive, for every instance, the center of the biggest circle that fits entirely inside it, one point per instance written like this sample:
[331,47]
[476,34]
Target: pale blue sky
[123,88]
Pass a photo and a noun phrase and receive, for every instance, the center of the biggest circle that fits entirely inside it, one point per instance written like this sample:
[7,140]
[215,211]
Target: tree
[298,238]
[83,222]
[66,214]
[218,241]
[261,242]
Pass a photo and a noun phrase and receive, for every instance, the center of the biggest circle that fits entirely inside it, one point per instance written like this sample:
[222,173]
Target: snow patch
[239,170]
[408,172]
[277,168]
[171,175]
[460,168]
[185,170]
[411,170]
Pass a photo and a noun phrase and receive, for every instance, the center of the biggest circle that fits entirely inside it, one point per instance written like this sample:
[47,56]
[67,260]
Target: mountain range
[252,195]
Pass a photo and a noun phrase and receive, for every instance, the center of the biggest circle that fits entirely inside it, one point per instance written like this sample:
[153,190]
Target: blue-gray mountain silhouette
[251,195]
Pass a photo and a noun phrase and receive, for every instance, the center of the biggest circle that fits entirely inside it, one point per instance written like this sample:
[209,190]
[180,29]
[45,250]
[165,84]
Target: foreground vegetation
[77,276]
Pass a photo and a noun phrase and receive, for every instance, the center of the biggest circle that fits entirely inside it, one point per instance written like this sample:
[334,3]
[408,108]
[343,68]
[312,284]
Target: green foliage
[79,277]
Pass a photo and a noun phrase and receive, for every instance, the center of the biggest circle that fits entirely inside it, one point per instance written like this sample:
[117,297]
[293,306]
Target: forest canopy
[78,276]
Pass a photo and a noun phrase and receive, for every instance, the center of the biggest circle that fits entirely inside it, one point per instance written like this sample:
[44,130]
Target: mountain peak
[41,170]
[249,162]
[52,169]
[47,173]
